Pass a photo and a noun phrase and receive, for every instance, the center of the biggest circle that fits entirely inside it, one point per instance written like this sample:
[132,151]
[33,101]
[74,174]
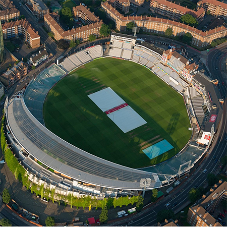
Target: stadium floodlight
[134,30]
[144,183]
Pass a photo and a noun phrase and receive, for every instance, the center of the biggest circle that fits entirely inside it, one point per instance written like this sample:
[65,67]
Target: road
[214,62]
[50,44]
[179,198]
[13,218]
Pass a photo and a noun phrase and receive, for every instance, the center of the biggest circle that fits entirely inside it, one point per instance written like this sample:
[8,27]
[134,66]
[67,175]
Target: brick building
[81,33]
[159,26]
[216,8]
[21,27]
[179,64]
[201,214]
[122,5]
[8,11]
[174,11]
[14,74]
[38,7]
[83,13]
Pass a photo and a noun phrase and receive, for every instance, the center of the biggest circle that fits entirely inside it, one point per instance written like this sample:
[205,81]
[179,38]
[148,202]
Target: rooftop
[67,159]
[24,23]
[179,7]
[160,20]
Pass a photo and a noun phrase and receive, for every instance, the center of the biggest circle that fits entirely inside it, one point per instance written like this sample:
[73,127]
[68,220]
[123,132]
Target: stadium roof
[67,159]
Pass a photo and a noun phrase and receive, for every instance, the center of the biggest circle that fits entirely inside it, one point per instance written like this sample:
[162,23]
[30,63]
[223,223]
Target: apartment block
[159,26]
[216,8]
[83,13]
[21,27]
[81,33]
[174,11]
[38,7]
[122,5]
[201,214]
[8,11]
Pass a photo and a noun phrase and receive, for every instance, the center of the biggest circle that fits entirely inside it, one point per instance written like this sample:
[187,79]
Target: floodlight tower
[134,29]
[144,183]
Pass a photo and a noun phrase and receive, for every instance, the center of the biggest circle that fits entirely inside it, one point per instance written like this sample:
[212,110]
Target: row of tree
[20,174]
[64,44]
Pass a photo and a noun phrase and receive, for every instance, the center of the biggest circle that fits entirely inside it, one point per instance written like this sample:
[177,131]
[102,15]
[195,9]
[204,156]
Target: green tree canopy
[51,34]
[194,194]
[5,222]
[50,221]
[104,30]
[212,179]
[103,217]
[164,214]
[67,16]
[130,25]
[139,204]
[187,38]
[169,32]
[63,44]
[189,19]
[92,37]
[6,196]
[154,195]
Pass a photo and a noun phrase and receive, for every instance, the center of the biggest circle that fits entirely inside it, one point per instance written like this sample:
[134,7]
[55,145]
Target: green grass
[68,3]
[70,114]
[9,45]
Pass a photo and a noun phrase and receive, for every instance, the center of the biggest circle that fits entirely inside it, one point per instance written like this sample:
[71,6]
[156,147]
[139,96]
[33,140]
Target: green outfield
[69,113]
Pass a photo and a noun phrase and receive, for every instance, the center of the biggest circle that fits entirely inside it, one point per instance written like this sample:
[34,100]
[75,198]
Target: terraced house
[159,26]
[8,11]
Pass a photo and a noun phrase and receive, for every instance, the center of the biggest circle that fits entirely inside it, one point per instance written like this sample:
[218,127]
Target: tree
[51,34]
[72,43]
[109,203]
[103,217]
[25,60]
[92,37]
[187,38]
[6,196]
[139,204]
[50,221]
[189,19]
[33,67]
[208,12]
[194,194]
[5,222]
[63,44]
[130,25]
[165,214]
[104,30]
[154,195]
[212,179]
[67,16]
[169,32]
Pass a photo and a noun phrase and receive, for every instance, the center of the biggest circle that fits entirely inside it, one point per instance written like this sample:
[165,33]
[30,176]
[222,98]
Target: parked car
[222,215]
